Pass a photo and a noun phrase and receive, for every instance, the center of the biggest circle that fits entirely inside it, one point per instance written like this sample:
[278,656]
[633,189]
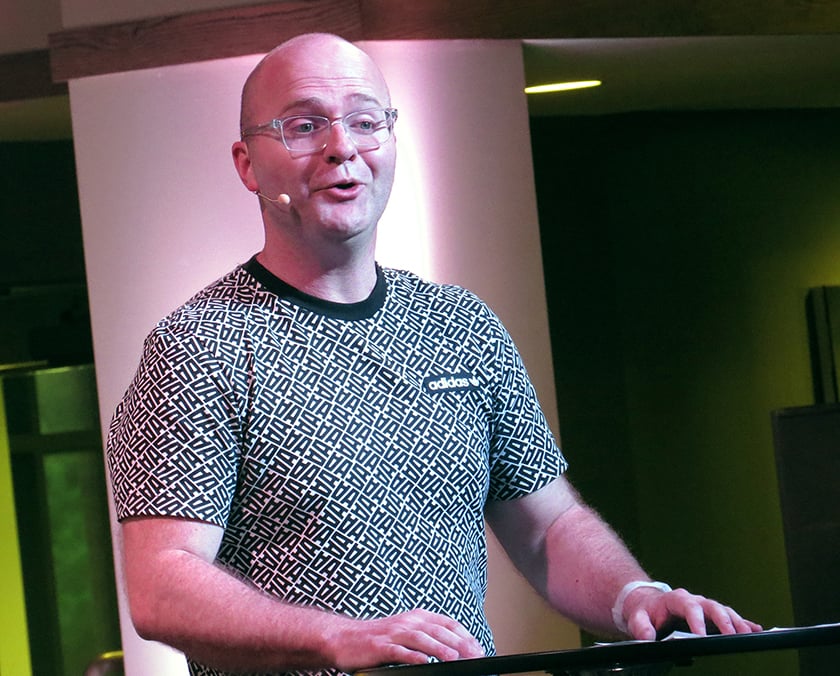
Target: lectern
[636,658]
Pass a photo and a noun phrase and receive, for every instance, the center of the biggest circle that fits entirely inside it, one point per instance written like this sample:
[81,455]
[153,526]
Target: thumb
[640,626]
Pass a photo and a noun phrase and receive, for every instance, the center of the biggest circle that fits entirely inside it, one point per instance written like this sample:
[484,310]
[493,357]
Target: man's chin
[349,232]
[346,220]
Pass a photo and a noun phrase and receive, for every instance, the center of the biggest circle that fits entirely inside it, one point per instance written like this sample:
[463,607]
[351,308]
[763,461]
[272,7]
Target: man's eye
[303,127]
[365,125]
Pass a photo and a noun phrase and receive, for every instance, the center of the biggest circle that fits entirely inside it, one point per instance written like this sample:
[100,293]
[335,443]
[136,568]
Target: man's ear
[242,162]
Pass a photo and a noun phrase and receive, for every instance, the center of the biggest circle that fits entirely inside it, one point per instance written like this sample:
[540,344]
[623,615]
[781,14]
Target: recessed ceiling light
[562,86]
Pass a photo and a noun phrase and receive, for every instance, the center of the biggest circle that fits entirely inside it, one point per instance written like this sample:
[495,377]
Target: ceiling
[638,74]
[701,73]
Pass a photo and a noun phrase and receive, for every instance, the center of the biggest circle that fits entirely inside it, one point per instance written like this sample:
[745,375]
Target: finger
[464,642]
[737,623]
[452,645]
[750,627]
[455,628]
[694,617]
[402,655]
[434,648]
[467,644]
[728,621]
[442,637]
[640,626]
[743,626]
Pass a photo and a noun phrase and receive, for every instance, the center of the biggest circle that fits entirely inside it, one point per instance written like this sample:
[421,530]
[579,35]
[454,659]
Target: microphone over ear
[282,198]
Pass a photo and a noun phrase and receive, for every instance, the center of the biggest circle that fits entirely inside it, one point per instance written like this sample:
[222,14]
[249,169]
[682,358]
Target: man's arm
[579,565]
[178,596]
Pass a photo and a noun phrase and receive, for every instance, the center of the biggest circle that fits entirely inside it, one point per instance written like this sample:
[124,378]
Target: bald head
[295,60]
[334,193]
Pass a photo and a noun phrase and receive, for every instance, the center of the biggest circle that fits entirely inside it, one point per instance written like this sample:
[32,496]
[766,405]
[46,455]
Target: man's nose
[339,145]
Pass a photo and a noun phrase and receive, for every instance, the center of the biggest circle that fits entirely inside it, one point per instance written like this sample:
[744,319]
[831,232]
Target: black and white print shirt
[347,450]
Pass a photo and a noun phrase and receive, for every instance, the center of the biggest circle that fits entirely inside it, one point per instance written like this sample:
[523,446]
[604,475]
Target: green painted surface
[679,250]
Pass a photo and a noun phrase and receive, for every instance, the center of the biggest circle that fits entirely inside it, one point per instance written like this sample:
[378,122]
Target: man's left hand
[648,611]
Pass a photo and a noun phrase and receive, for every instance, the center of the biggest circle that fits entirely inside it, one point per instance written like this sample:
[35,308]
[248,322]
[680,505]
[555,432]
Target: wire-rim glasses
[368,129]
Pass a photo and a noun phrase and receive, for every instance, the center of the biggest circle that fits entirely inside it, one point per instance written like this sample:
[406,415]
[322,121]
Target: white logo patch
[454,382]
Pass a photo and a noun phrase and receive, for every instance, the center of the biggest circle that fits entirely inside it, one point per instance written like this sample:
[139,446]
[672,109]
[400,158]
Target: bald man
[305,460]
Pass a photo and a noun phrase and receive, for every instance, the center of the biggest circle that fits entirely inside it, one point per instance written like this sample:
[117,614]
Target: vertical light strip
[14,641]
[403,239]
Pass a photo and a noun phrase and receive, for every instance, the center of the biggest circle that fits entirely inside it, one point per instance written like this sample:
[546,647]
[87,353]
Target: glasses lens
[305,132]
[368,128]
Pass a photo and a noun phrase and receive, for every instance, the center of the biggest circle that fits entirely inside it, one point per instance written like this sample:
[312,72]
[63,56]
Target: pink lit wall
[164,213]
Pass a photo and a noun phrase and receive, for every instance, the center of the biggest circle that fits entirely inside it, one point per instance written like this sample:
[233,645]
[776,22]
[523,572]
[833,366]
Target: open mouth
[344,190]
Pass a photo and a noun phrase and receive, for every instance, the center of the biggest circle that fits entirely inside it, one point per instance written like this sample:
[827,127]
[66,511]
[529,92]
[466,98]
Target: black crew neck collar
[364,309]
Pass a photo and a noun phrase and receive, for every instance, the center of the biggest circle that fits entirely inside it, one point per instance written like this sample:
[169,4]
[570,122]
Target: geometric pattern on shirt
[341,481]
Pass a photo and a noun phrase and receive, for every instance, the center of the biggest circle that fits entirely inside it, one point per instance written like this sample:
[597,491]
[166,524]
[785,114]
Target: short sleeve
[524,455]
[172,443]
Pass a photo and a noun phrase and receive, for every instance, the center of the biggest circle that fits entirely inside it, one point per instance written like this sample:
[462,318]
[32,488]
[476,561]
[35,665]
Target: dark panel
[26,75]
[807,443]
[40,222]
[823,308]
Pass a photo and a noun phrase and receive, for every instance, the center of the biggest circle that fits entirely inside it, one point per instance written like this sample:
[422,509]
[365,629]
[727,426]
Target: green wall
[56,569]
[679,248]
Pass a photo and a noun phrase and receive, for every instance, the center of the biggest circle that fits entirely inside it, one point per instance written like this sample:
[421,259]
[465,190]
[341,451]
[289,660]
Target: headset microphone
[282,198]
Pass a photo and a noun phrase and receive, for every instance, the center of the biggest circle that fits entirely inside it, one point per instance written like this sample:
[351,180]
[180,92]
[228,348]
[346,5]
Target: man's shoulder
[228,297]
[407,284]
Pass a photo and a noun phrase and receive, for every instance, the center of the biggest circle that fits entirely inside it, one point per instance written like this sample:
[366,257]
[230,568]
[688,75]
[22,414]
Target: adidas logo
[454,382]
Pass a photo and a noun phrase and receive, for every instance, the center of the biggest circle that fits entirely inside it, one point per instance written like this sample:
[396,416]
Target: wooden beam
[198,36]
[247,30]
[26,75]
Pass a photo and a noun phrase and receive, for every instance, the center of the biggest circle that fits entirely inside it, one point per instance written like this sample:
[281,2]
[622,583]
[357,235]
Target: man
[304,461]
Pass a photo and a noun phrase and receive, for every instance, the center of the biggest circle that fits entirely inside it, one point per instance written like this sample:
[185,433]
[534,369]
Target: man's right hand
[408,638]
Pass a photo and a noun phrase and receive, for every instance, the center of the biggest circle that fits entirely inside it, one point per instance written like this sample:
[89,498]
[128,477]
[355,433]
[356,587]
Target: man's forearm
[587,566]
[219,620]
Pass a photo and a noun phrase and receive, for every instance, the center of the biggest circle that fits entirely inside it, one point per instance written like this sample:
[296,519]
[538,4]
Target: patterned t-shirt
[347,450]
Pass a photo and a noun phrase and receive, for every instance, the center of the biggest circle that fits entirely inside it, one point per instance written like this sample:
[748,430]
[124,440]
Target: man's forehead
[330,83]
[283,90]
[322,56]
[319,101]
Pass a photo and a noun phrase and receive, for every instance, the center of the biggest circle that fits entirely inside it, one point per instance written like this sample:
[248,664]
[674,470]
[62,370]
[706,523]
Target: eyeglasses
[368,129]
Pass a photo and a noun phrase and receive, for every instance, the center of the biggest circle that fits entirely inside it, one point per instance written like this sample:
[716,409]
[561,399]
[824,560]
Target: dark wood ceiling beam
[237,31]
[199,36]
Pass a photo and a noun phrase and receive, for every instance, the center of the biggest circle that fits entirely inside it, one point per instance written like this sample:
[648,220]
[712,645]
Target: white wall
[163,214]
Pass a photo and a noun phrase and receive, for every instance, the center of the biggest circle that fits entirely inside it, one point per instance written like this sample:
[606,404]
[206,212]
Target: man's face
[336,192]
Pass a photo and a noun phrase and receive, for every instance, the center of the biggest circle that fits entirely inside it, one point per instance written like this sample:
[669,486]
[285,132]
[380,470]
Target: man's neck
[345,281]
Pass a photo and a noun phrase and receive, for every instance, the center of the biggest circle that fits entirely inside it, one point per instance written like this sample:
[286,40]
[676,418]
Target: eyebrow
[317,104]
